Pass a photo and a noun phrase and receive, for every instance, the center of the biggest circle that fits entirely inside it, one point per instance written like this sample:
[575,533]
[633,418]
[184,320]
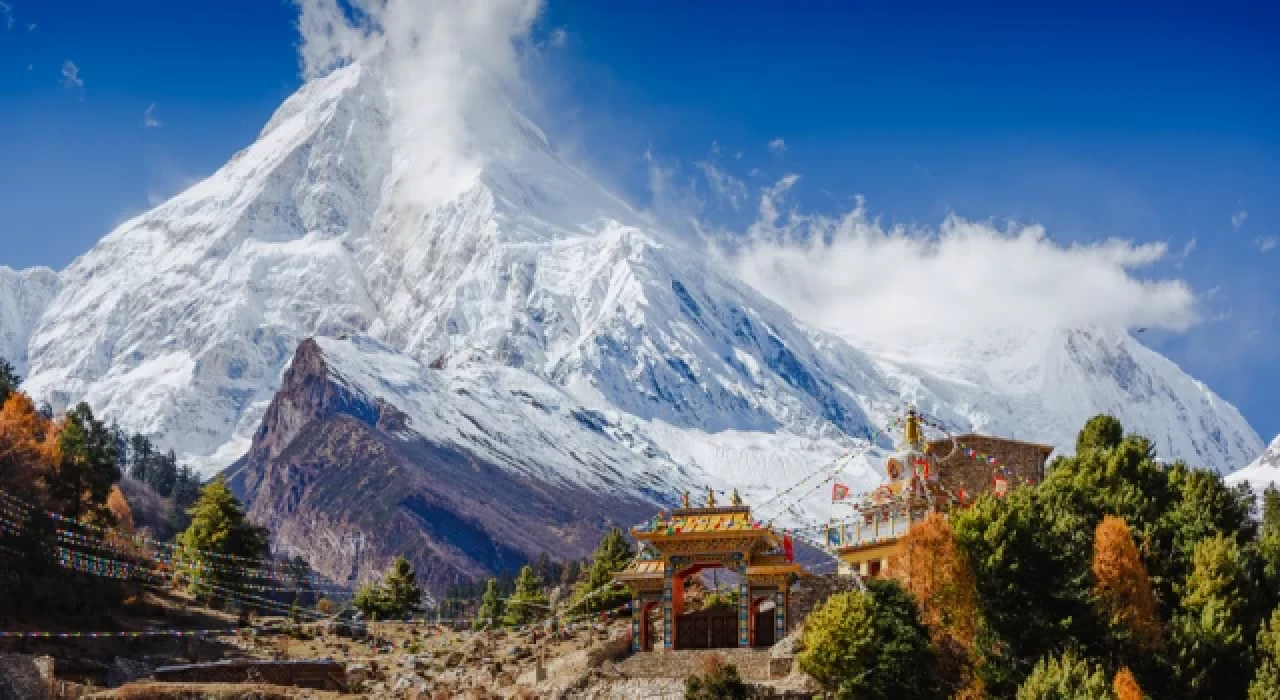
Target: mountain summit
[512,265]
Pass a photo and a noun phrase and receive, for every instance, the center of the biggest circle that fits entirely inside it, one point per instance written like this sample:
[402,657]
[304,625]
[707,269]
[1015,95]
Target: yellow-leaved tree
[1122,586]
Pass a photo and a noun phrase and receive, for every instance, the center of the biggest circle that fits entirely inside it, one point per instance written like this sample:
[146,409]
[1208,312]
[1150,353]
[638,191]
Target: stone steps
[752,664]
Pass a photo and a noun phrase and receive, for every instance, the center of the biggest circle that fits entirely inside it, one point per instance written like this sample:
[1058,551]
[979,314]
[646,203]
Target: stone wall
[958,471]
[812,591]
[320,675]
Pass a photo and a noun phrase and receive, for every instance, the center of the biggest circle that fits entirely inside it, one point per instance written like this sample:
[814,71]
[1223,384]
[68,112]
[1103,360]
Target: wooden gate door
[765,628]
[707,629]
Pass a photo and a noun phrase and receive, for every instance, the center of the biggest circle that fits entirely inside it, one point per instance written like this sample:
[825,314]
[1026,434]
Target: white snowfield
[1263,472]
[534,285]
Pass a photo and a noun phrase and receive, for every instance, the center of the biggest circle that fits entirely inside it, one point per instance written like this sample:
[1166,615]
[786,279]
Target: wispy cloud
[149,119]
[1237,219]
[1266,244]
[777,147]
[1187,249]
[850,275]
[6,14]
[558,37]
[71,75]
[724,186]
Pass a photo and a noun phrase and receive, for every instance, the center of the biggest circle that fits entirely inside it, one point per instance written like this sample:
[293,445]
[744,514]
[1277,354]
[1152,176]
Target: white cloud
[777,146]
[71,75]
[1266,243]
[851,276]
[6,12]
[559,37]
[149,117]
[724,186]
[1237,219]
[453,68]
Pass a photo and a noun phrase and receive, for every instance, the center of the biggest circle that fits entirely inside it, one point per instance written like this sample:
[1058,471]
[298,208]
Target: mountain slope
[24,296]
[364,454]
[1263,472]
[526,273]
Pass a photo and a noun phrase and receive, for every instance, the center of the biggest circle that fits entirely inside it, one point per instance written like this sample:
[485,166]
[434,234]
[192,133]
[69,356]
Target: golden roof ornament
[684,500]
[913,434]
[711,497]
[735,499]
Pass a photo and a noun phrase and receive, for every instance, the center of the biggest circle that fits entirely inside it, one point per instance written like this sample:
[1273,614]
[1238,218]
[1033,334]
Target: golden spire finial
[913,435]
[711,497]
[684,500]
[735,499]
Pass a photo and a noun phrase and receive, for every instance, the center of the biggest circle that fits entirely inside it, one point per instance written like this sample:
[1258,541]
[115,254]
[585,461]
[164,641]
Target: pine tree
[870,645]
[141,452]
[163,473]
[613,554]
[491,607]
[1067,677]
[403,594]
[1100,433]
[9,380]
[1122,586]
[219,527]
[529,601]
[1266,682]
[1208,631]
[86,467]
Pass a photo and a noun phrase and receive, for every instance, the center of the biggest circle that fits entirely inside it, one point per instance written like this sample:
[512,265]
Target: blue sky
[1097,121]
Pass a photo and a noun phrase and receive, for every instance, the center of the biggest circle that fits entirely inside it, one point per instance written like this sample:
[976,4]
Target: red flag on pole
[788,548]
[839,491]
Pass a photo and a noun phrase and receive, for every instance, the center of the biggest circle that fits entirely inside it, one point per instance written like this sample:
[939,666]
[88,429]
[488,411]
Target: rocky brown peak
[308,393]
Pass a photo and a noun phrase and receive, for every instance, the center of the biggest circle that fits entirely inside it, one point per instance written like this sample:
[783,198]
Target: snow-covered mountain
[24,295]
[525,273]
[1263,472]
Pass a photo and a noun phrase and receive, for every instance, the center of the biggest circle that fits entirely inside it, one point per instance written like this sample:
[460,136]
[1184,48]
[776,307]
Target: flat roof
[1046,449]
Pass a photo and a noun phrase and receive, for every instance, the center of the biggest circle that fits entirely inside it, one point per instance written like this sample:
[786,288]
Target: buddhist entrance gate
[691,540]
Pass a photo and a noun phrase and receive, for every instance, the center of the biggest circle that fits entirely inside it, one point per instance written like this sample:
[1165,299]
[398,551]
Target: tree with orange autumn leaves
[1122,586]
[933,569]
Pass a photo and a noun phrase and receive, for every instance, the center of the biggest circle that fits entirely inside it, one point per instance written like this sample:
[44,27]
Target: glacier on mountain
[531,281]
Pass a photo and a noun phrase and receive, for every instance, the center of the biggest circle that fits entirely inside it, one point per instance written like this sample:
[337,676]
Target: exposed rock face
[339,478]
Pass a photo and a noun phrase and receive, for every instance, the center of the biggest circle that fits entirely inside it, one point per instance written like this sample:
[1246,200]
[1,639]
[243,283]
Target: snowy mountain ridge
[525,273]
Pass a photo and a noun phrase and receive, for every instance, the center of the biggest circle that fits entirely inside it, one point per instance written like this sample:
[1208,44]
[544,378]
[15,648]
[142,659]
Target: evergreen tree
[1067,677]
[1268,545]
[870,645]
[219,527]
[613,554]
[528,603]
[371,599]
[141,452]
[301,575]
[492,608]
[1266,682]
[9,380]
[1209,630]
[403,594]
[1100,433]
[86,468]
[163,473]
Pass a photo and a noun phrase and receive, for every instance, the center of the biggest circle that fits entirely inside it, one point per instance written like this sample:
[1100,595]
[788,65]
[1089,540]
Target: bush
[718,681]
[870,646]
